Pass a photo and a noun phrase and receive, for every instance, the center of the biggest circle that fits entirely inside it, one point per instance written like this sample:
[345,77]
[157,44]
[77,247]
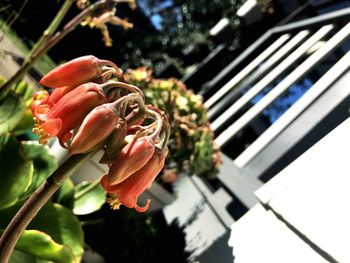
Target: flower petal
[40,111]
[52,126]
[144,208]
[73,73]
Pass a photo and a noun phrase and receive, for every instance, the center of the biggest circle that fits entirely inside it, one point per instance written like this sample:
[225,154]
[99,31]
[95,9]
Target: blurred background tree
[168,35]
[181,35]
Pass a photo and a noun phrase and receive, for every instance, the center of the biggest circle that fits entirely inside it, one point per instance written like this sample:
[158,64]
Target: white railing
[273,74]
[283,86]
[296,109]
[247,70]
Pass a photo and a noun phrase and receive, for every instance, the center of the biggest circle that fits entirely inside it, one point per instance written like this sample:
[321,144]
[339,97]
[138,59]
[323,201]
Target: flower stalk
[87,112]
[87,115]
[35,202]
[31,57]
[50,38]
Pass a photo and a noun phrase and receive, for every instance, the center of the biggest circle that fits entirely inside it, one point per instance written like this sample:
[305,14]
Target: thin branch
[15,17]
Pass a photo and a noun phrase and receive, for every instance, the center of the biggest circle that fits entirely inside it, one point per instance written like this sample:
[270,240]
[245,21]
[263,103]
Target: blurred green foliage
[56,233]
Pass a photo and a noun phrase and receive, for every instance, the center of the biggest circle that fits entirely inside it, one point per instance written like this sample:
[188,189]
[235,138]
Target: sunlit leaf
[2,81]
[40,245]
[16,171]
[21,257]
[11,111]
[65,195]
[24,90]
[62,225]
[89,197]
[56,221]
[44,164]
[25,123]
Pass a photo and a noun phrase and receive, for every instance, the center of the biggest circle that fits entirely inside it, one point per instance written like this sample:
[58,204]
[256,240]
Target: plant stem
[87,189]
[52,27]
[35,202]
[155,115]
[12,19]
[70,26]
[29,61]
[49,39]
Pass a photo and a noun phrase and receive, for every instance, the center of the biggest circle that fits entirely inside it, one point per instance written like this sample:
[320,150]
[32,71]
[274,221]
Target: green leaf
[89,197]
[11,111]
[62,225]
[65,195]
[24,90]
[26,123]
[44,164]
[56,221]
[21,257]
[2,81]
[41,245]
[16,171]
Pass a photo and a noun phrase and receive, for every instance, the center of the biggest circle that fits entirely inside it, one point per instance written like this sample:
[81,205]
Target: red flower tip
[68,113]
[128,191]
[97,125]
[57,94]
[73,73]
[130,159]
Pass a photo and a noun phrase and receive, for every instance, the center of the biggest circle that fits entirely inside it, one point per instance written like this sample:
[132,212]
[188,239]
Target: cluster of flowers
[192,149]
[92,108]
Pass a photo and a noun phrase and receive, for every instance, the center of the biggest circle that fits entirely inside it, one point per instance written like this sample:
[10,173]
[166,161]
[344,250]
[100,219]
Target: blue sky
[152,11]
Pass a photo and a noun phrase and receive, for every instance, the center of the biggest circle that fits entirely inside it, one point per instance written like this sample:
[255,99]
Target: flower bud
[97,125]
[114,143]
[73,73]
[130,159]
[128,191]
[68,113]
[39,98]
[57,94]
[40,95]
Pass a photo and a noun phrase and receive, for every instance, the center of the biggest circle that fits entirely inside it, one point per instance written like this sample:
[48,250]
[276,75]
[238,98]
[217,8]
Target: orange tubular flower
[47,101]
[57,94]
[87,111]
[96,127]
[40,97]
[73,73]
[130,159]
[77,72]
[128,191]
[68,113]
